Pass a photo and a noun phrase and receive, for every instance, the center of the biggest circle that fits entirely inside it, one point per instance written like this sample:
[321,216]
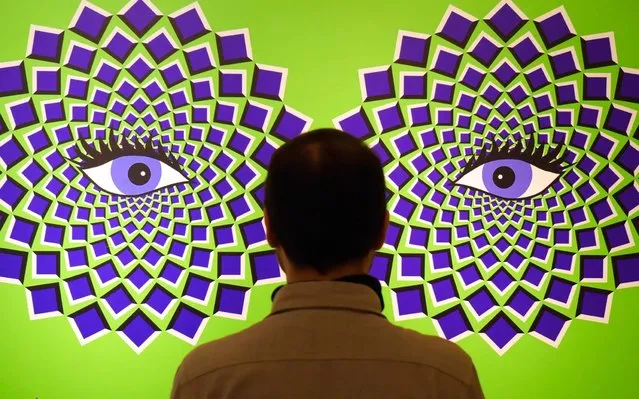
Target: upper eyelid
[532,153]
[93,156]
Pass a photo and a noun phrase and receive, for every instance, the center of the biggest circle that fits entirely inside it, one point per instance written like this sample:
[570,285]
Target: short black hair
[325,199]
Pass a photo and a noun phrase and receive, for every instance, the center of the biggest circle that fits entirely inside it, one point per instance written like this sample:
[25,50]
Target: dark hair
[325,199]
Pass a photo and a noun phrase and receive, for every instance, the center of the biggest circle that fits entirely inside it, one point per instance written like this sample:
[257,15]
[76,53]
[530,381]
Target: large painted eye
[134,175]
[508,178]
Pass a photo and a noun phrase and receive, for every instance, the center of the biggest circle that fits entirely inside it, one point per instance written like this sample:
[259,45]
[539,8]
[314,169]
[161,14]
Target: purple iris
[135,175]
[507,178]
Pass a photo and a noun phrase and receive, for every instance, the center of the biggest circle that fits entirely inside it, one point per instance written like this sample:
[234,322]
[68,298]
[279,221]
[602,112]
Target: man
[326,337]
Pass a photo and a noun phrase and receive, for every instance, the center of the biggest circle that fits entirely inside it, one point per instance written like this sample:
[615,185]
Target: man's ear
[382,237]
[270,235]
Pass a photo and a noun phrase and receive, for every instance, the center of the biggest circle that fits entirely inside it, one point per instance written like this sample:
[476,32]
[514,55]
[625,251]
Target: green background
[323,44]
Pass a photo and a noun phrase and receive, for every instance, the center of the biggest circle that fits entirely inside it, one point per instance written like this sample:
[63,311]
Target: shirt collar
[360,292]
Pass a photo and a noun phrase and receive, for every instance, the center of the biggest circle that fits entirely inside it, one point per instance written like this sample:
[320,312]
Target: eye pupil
[504,177]
[139,174]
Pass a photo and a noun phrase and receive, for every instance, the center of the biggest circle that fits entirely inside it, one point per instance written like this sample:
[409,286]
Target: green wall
[323,44]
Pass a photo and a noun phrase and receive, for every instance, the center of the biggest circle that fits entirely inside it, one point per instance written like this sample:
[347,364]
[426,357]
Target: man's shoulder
[382,341]
[222,352]
[432,351]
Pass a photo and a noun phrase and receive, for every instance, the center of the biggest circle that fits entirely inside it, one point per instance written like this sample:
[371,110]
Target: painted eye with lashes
[513,172]
[129,169]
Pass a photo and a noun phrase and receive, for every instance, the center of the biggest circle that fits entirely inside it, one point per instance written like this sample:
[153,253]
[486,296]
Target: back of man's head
[325,199]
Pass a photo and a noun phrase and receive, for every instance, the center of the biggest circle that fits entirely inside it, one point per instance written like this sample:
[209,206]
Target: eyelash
[104,151]
[521,150]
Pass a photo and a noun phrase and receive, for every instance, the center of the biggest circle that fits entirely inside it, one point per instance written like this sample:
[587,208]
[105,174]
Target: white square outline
[236,32]
[401,34]
[283,71]
[611,39]
[245,305]
[32,31]
[195,338]
[438,51]
[206,48]
[404,74]
[31,309]
[207,297]
[606,317]
[73,44]
[397,316]
[557,341]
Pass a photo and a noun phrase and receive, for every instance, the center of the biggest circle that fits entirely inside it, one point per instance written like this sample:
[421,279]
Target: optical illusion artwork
[133,149]
[511,150]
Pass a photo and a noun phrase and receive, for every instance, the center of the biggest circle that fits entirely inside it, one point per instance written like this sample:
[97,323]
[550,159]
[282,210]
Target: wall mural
[133,150]
[511,150]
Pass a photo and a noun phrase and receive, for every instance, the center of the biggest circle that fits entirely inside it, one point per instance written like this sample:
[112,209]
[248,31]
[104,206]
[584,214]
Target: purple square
[447,63]
[254,117]
[24,114]
[233,48]
[48,81]
[197,287]
[413,50]
[485,51]
[265,267]
[521,301]
[414,86]
[45,299]
[537,78]
[80,287]
[458,29]
[549,324]
[269,83]
[597,52]
[625,269]
[187,321]
[160,47]
[230,264]
[410,300]
[501,331]
[189,24]
[119,47]
[563,64]
[198,60]
[89,321]
[172,75]
[46,46]
[90,23]
[453,323]
[505,21]
[554,29]
[140,17]
[230,299]
[231,84]
[357,124]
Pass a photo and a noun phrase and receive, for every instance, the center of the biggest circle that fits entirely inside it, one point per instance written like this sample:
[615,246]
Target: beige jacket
[327,340]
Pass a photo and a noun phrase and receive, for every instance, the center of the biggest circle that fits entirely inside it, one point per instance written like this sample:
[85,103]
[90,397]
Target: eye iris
[507,178]
[503,177]
[136,174]
[139,174]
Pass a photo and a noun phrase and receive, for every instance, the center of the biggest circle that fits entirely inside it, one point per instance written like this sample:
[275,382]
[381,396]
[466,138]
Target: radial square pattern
[131,180]
[512,174]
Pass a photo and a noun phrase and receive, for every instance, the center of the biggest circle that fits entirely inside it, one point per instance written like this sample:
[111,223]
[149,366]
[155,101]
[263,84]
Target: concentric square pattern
[141,260]
[467,256]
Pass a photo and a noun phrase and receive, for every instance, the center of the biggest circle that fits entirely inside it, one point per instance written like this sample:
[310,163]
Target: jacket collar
[357,292]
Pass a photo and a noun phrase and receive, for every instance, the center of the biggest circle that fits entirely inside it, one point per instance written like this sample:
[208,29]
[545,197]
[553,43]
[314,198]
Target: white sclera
[540,181]
[101,176]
